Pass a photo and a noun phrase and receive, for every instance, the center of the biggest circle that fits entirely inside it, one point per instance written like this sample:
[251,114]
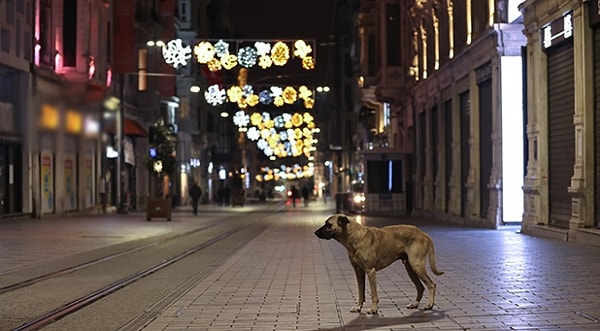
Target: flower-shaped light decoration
[247,90]
[278,101]
[175,54]
[301,49]
[215,95]
[253,133]
[262,48]
[247,57]
[204,52]
[285,135]
[261,53]
[280,53]
[214,64]
[262,144]
[234,93]
[221,48]
[252,100]
[289,95]
[264,61]
[279,122]
[309,103]
[241,119]
[308,63]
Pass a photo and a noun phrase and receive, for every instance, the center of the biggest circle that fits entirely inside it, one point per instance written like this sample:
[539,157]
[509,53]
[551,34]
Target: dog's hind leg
[371,273]
[421,271]
[417,281]
[360,281]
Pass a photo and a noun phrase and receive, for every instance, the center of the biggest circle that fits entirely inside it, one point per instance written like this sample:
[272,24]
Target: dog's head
[334,226]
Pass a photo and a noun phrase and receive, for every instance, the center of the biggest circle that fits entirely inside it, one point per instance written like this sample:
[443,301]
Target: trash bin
[158,208]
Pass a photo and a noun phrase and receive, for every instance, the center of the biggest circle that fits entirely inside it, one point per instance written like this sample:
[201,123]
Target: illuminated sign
[558,30]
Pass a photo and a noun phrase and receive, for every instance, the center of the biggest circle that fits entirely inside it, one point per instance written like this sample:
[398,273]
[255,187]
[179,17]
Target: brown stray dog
[371,249]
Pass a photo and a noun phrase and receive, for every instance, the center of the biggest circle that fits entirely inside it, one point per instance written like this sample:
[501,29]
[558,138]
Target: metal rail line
[75,305]
[84,265]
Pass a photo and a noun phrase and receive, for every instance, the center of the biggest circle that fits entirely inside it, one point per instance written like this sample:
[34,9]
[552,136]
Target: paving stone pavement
[288,279]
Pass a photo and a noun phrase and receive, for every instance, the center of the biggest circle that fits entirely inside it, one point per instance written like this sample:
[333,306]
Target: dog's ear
[343,220]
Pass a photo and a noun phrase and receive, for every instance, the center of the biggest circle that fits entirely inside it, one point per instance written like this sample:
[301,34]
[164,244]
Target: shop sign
[558,30]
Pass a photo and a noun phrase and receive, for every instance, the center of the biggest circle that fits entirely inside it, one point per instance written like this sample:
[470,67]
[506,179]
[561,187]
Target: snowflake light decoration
[247,57]
[175,54]
[222,48]
[240,118]
[214,95]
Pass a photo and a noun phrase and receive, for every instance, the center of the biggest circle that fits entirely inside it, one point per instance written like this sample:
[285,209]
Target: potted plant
[161,162]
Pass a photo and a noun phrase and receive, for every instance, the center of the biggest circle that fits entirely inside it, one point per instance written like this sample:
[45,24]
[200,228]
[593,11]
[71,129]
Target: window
[393,34]
[5,40]
[384,176]
[70,33]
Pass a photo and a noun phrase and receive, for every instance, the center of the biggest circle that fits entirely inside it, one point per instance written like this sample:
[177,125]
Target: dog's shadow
[363,321]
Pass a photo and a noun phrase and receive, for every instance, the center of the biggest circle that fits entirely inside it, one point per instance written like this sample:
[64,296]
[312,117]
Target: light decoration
[227,55]
[285,135]
[215,95]
[288,172]
[176,54]
[246,96]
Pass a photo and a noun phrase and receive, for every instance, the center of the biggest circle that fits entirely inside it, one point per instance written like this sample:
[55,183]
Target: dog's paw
[356,309]
[428,306]
[372,311]
[413,305]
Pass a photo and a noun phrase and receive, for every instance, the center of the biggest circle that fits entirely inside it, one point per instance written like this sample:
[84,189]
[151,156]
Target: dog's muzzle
[324,233]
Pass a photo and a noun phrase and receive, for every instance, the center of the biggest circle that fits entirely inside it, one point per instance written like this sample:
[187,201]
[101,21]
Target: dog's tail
[431,254]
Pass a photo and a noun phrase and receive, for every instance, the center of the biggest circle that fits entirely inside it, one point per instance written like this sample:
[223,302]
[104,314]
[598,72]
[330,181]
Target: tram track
[77,304]
[41,278]
[108,278]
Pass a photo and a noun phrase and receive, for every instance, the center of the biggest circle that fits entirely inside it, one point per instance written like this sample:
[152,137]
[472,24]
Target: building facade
[561,194]
[16,54]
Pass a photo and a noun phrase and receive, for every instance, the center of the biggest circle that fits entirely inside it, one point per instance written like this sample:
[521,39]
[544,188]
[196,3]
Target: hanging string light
[220,55]
[246,96]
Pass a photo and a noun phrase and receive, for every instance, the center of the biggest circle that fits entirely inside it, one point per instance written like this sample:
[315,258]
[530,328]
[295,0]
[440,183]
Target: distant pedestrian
[195,194]
[293,195]
[102,188]
[305,195]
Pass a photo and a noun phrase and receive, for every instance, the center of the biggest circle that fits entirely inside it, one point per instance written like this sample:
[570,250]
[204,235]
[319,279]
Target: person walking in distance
[195,193]
[102,191]
[305,195]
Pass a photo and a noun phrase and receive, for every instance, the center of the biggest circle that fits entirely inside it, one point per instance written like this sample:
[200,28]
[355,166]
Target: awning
[131,128]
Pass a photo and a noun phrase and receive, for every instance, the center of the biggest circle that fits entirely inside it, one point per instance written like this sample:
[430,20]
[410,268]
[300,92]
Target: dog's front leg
[371,273]
[360,281]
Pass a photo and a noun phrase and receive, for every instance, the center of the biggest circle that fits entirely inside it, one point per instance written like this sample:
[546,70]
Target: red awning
[131,128]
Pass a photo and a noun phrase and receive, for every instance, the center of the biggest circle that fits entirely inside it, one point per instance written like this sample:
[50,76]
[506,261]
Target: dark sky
[271,19]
